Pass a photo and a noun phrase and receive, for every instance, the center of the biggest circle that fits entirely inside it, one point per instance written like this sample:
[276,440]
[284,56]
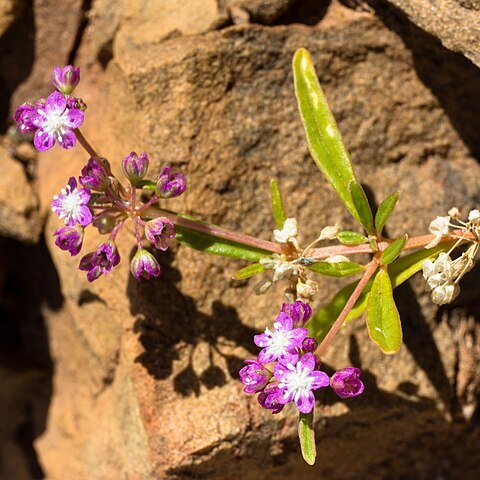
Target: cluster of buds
[444,274]
[103,202]
[287,370]
[98,198]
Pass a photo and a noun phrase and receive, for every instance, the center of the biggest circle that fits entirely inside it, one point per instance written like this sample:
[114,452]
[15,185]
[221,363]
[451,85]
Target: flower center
[280,341]
[298,381]
[55,122]
[71,203]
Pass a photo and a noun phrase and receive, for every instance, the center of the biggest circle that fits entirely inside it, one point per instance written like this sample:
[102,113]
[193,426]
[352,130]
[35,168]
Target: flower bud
[69,239]
[94,176]
[144,265]
[101,261]
[170,184]
[158,231]
[135,167]
[254,376]
[346,382]
[309,345]
[298,311]
[65,79]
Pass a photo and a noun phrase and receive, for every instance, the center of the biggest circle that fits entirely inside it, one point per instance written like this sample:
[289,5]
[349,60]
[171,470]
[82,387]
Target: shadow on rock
[171,327]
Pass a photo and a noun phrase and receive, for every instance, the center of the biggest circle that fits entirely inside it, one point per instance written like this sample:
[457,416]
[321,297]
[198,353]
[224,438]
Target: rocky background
[120,380]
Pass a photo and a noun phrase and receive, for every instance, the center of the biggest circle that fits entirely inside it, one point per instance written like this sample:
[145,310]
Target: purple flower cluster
[295,372]
[99,199]
[55,118]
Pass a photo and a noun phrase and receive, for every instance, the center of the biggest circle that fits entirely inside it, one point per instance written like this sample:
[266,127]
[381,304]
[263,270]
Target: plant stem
[91,151]
[217,232]
[370,269]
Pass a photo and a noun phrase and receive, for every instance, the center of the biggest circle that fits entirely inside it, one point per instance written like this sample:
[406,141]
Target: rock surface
[145,383]
[455,22]
[19,211]
[157,394]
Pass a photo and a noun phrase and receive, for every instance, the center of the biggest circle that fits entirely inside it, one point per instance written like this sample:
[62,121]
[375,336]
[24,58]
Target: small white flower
[454,212]
[439,227]
[307,290]
[474,216]
[330,232]
[280,266]
[288,233]
[445,294]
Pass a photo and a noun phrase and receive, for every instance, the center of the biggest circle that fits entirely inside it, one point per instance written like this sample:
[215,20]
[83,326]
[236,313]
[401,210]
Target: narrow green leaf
[362,206]
[338,269]
[249,271]
[323,137]
[306,435]
[351,238]
[218,246]
[277,204]
[147,185]
[384,211]
[400,271]
[393,250]
[383,319]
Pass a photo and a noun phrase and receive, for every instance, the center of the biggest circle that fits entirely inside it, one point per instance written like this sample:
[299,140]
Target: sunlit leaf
[218,246]
[383,319]
[362,206]
[393,250]
[384,211]
[249,271]
[323,137]
[306,435]
[337,269]
[277,204]
[351,238]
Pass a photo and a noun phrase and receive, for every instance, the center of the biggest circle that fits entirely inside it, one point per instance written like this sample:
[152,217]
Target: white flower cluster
[442,275]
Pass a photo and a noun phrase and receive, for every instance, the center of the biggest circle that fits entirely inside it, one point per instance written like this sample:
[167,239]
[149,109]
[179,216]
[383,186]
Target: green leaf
[218,246]
[147,185]
[277,204]
[383,319]
[351,238]
[400,271]
[363,207]
[384,211]
[306,435]
[323,137]
[337,269]
[249,271]
[393,250]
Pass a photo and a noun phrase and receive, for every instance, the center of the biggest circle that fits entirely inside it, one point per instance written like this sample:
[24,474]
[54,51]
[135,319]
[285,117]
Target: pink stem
[370,269]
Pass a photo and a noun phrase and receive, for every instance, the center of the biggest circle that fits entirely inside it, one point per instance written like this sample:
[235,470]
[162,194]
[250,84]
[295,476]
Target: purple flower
[254,376]
[135,167]
[281,344]
[144,265]
[55,121]
[24,116]
[309,345]
[76,103]
[72,205]
[65,79]
[269,398]
[298,311]
[69,239]
[158,231]
[346,382]
[297,382]
[94,176]
[170,184]
[101,261]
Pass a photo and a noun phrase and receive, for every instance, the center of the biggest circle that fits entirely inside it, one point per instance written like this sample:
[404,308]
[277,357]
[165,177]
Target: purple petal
[321,379]
[298,336]
[72,183]
[75,118]
[67,140]
[43,141]
[289,356]
[266,356]
[283,322]
[280,371]
[305,403]
[308,361]
[56,102]
[262,340]
[84,216]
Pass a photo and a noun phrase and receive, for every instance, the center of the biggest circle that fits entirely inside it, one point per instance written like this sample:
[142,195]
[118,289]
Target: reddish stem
[370,269]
